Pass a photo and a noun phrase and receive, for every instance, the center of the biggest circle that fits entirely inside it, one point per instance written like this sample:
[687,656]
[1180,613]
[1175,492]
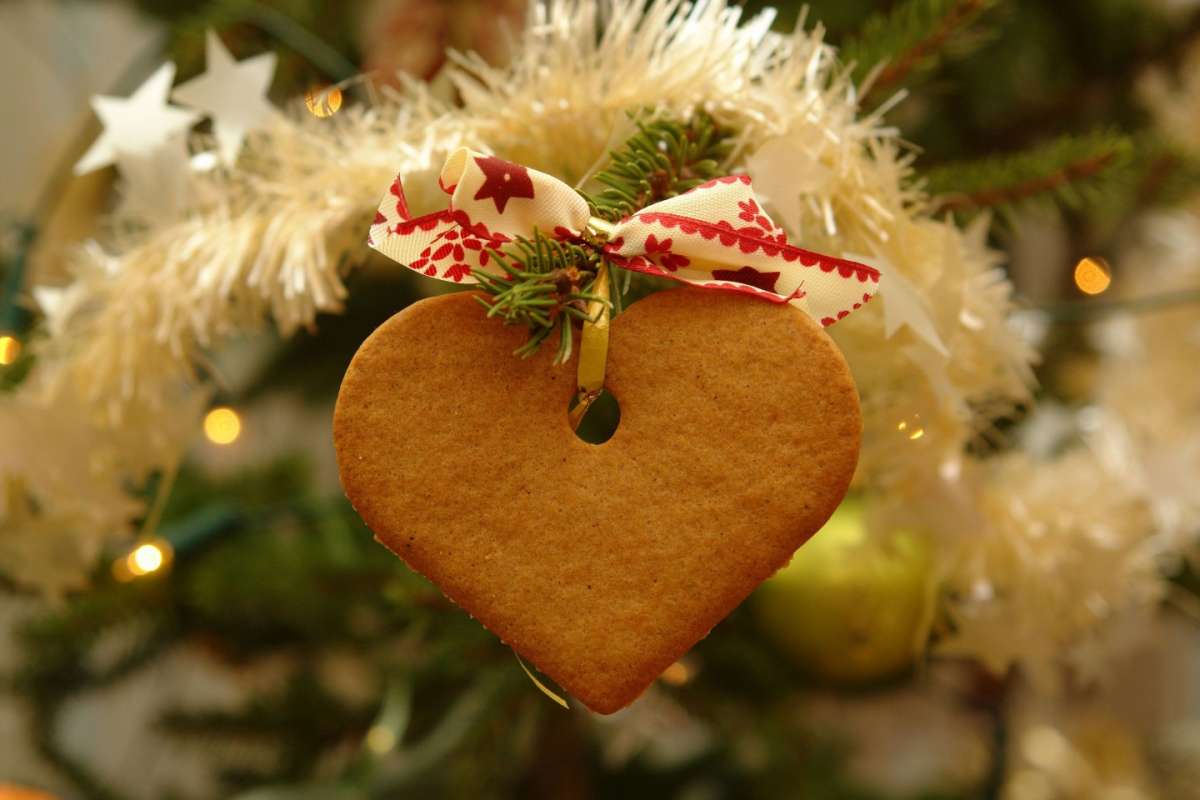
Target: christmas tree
[1004,604]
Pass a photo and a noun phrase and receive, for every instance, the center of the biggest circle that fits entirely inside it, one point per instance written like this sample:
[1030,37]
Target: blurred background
[239,634]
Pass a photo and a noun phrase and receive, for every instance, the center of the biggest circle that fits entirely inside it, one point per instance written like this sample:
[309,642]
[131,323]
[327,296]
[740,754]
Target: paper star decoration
[233,92]
[137,125]
[904,305]
[791,179]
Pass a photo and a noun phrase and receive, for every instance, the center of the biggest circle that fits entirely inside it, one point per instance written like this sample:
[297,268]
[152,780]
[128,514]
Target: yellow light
[323,101]
[10,349]
[678,674]
[222,425]
[146,559]
[1092,275]
[915,433]
[380,739]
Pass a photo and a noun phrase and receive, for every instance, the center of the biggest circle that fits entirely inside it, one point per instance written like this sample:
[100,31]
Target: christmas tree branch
[292,29]
[1087,310]
[663,159]
[1071,170]
[1166,174]
[911,38]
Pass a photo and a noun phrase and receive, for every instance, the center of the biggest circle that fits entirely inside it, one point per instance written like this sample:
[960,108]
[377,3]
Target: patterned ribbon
[715,236]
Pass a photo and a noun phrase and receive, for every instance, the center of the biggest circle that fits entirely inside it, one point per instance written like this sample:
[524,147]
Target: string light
[380,739]
[1092,275]
[322,101]
[678,674]
[10,349]
[913,431]
[222,425]
[147,558]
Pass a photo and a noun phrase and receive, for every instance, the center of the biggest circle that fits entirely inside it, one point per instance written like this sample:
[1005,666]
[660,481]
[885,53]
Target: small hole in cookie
[600,421]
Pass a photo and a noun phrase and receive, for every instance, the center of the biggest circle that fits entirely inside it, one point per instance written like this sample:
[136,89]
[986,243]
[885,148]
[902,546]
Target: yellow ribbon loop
[593,348]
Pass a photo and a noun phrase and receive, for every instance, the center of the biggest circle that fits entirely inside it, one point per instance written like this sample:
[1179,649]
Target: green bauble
[852,608]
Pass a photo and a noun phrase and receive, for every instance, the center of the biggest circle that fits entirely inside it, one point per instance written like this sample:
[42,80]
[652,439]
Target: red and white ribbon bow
[715,236]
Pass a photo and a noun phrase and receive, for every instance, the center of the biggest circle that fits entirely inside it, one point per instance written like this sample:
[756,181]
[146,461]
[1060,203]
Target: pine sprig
[912,38]
[1071,170]
[546,285]
[663,159]
[1165,174]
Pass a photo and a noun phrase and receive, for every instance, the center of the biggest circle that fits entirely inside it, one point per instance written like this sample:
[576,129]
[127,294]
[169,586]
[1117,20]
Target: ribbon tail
[717,236]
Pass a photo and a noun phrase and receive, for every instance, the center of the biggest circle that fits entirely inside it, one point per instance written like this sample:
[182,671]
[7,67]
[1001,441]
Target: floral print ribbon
[715,236]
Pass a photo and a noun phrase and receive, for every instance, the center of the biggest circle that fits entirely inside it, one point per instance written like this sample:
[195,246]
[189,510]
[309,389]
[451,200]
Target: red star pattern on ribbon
[504,180]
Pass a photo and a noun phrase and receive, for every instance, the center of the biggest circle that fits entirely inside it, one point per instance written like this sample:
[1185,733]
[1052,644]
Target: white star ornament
[233,92]
[137,125]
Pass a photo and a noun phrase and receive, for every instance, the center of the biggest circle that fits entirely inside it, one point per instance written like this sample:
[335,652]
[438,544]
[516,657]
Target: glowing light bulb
[222,425]
[147,558]
[380,739]
[1093,275]
[678,674]
[10,349]
[912,430]
[323,101]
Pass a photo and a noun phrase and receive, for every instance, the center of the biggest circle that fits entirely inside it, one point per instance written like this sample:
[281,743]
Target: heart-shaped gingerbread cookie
[601,564]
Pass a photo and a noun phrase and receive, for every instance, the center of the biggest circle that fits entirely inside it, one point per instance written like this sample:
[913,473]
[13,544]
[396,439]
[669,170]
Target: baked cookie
[600,564]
